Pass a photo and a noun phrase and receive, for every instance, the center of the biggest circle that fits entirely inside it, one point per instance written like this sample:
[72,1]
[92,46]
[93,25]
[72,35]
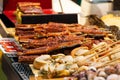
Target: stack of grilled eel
[37,39]
[27,8]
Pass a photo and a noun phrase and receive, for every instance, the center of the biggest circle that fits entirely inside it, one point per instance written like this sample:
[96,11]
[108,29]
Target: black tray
[23,70]
[15,70]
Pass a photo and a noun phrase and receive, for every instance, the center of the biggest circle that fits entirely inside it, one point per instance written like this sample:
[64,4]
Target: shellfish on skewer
[97,53]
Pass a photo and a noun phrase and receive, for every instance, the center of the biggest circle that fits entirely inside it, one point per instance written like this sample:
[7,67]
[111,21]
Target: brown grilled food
[29,7]
[37,39]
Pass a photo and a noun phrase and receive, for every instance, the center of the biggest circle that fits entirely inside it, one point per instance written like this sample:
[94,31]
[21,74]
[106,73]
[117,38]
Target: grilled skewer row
[52,29]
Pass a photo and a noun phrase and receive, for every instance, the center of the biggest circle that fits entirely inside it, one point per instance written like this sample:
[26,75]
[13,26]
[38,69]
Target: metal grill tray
[11,55]
[23,70]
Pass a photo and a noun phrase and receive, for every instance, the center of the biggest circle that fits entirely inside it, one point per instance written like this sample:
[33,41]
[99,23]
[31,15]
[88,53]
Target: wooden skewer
[104,51]
[117,42]
[110,52]
[114,61]
[94,49]
[107,51]
[93,53]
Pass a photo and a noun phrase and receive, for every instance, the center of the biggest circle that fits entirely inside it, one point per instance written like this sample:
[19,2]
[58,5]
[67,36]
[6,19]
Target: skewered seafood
[47,46]
[82,57]
[51,67]
[37,39]
[80,65]
[60,64]
[27,59]
[27,8]
[99,78]
[59,68]
[110,70]
[40,61]
[56,29]
[113,77]
[107,69]
[99,74]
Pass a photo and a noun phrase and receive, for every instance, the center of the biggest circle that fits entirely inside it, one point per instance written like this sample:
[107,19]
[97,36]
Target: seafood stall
[12,68]
[62,51]
[56,50]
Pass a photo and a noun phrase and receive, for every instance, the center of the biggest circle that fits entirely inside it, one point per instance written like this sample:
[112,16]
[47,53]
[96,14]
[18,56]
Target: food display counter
[58,50]
[11,67]
[16,65]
